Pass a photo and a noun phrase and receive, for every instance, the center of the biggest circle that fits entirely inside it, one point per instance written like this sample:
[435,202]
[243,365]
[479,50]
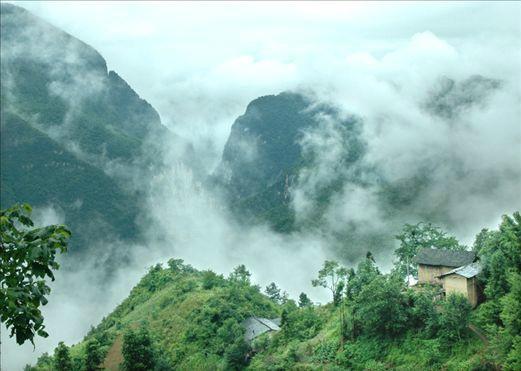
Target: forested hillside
[180,318]
[73,133]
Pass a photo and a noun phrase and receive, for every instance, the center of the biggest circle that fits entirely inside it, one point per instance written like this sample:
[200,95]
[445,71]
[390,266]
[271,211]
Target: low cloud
[383,76]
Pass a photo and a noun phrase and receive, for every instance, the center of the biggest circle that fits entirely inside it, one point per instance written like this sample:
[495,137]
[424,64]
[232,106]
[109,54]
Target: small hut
[463,280]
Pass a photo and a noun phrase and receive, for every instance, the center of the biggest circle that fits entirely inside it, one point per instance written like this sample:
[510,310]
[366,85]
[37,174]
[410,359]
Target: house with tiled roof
[454,271]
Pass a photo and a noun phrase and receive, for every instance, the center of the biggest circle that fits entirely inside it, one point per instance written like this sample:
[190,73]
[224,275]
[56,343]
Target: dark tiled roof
[446,258]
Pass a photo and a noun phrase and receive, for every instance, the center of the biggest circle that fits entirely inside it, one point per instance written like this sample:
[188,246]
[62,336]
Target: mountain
[266,150]
[298,164]
[72,131]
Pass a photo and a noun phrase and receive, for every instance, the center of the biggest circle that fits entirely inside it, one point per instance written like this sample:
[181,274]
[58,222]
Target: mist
[200,65]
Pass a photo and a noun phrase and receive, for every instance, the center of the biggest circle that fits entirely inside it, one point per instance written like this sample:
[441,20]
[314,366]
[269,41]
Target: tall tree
[304,301]
[62,359]
[273,292]
[332,277]
[27,258]
[240,275]
[93,356]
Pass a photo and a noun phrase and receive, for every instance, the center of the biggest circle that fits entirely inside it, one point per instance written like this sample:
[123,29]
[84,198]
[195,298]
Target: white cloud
[200,64]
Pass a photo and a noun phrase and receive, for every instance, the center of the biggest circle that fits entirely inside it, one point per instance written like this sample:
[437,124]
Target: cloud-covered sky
[199,64]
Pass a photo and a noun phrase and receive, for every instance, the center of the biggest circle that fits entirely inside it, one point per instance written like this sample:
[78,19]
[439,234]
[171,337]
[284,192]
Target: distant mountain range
[74,137]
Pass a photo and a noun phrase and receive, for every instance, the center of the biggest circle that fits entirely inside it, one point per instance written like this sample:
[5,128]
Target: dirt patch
[114,356]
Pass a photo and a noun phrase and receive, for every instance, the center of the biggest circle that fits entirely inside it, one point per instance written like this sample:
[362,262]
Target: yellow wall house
[432,263]
[463,280]
[455,271]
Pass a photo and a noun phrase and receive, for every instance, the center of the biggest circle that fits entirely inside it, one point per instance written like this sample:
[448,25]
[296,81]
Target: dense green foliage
[93,357]
[500,254]
[190,319]
[137,351]
[27,259]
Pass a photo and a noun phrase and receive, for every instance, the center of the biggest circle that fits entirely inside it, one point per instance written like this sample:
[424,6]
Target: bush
[454,318]
[138,352]
[381,309]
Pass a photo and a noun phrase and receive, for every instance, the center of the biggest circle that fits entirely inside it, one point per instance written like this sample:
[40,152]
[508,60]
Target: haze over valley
[276,136]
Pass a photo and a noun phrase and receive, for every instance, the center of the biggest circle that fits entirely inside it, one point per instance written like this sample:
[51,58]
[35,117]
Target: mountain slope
[73,133]
[298,164]
[266,151]
[60,84]
[37,170]
[194,320]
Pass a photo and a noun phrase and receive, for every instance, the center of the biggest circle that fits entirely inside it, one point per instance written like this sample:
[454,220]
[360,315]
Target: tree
[62,359]
[424,315]
[240,275]
[273,292]
[210,280]
[416,236]
[138,353]
[93,356]
[454,318]
[176,265]
[235,355]
[27,258]
[304,301]
[511,306]
[365,273]
[381,308]
[332,277]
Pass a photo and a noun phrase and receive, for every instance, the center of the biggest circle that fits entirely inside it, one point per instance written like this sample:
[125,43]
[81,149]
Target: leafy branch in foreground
[27,258]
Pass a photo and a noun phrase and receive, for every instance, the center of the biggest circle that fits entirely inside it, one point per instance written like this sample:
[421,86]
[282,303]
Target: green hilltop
[181,318]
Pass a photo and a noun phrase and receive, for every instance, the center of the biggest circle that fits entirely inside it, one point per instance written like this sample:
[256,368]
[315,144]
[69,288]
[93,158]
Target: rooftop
[447,258]
[256,326]
[467,271]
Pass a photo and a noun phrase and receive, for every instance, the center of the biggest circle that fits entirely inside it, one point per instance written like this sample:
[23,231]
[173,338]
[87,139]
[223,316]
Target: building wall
[455,284]
[429,273]
[472,289]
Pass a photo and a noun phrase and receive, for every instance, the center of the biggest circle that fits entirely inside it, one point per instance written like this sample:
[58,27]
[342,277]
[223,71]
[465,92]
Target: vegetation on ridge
[180,318]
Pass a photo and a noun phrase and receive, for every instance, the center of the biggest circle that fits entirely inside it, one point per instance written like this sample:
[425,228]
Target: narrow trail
[478,333]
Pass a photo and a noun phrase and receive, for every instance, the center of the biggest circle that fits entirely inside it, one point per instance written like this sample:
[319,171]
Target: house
[432,263]
[256,326]
[454,271]
[463,280]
